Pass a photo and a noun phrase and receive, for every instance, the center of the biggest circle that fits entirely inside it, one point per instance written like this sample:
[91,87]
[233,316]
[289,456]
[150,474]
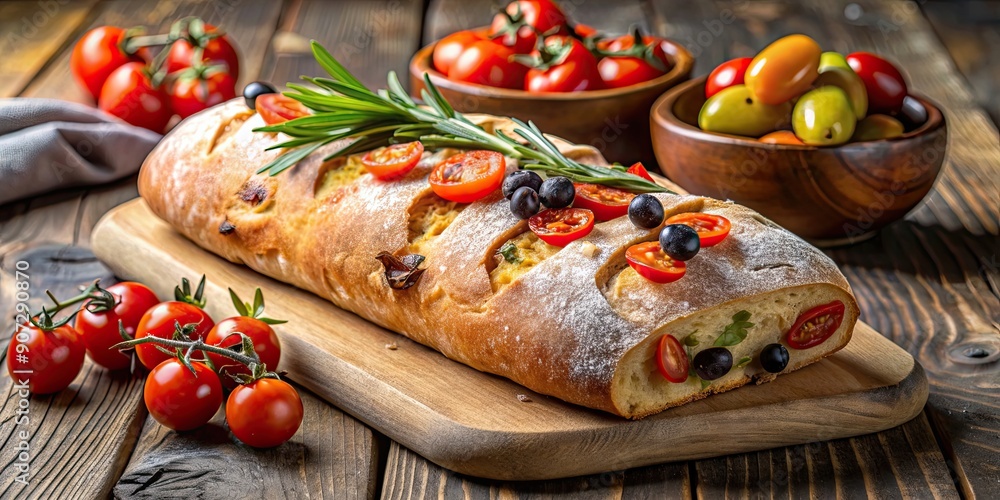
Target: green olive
[877,127]
[824,117]
[734,110]
[850,83]
[832,60]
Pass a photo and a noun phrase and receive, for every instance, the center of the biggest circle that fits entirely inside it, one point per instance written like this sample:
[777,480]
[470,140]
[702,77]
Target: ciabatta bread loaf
[576,322]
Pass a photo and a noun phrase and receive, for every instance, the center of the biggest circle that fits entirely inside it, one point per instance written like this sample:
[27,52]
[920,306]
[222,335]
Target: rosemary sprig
[344,108]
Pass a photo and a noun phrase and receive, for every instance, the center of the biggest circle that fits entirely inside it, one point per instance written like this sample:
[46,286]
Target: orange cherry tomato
[560,226]
[784,69]
[652,263]
[671,359]
[637,168]
[467,177]
[815,325]
[393,162]
[711,228]
[606,202]
[782,137]
[277,108]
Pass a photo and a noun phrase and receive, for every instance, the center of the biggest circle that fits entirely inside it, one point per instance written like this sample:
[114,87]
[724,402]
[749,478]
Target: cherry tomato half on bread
[277,108]
[561,226]
[226,334]
[393,162]
[160,321]
[99,330]
[96,55]
[671,359]
[179,398]
[711,228]
[726,75]
[467,177]
[606,202]
[48,360]
[488,63]
[217,50]
[129,94]
[447,51]
[814,326]
[652,263]
[264,413]
[639,169]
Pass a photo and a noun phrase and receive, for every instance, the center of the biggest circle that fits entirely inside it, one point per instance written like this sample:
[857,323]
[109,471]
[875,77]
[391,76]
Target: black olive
[524,202]
[680,242]
[519,178]
[713,363]
[255,89]
[557,192]
[774,358]
[645,211]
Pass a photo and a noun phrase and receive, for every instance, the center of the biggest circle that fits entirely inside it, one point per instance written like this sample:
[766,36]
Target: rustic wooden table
[929,282]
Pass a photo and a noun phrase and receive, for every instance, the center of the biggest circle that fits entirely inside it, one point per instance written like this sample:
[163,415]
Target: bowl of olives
[831,147]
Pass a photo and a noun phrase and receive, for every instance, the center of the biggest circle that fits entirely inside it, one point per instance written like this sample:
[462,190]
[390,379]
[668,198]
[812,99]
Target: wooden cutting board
[483,425]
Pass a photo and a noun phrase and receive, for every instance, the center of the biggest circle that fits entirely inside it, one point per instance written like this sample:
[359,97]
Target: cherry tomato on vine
[449,48]
[726,75]
[225,334]
[885,84]
[639,169]
[217,50]
[99,330]
[567,66]
[584,30]
[96,55]
[160,321]
[488,63]
[189,95]
[711,229]
[47,360]
[671,359]
[393,162]
[605,202]
[179,398]
[524,20]
[129,95]
[467,177]
[814,326]
[277,108]
[635,63]
[264,413]
[561,226]
[652,263]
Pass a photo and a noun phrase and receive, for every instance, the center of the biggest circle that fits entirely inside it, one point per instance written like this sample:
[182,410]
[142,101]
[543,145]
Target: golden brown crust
[554,330]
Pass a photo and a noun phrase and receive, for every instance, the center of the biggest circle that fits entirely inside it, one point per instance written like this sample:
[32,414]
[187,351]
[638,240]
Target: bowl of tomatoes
[533,63]
[832,147]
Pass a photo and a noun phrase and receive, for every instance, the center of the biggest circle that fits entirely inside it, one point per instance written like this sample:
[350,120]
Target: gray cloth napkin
[47,144]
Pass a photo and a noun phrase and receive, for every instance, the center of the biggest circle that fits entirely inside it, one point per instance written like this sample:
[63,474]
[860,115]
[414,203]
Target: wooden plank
[331,454]
[410,476]
[249,22]
[369,38]
[32,33]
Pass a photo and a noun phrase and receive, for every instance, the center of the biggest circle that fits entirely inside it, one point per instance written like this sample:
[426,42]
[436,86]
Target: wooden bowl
[615,121]
[828,195]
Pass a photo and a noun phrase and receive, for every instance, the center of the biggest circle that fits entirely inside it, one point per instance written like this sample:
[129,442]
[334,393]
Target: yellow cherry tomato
[783,70]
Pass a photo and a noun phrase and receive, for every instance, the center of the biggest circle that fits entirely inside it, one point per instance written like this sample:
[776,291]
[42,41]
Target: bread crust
[558,329]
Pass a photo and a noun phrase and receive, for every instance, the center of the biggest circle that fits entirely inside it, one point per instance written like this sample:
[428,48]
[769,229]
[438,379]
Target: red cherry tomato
[191,95]
[99,331]
[711,228]
[217,50]
[264,413]
[726,75]
[180,399]
[639,169]
[561,226]
[488,63]
[606,202]
[447,51]
[277,108]
[47,360]
[525,20]
[265,344]
[467,177]
[671,359]
[96,55]
[885,84]
[393,162]
[652,263]
[623,70]
[814,326]
[573,68]
[129,95]
[160,321]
